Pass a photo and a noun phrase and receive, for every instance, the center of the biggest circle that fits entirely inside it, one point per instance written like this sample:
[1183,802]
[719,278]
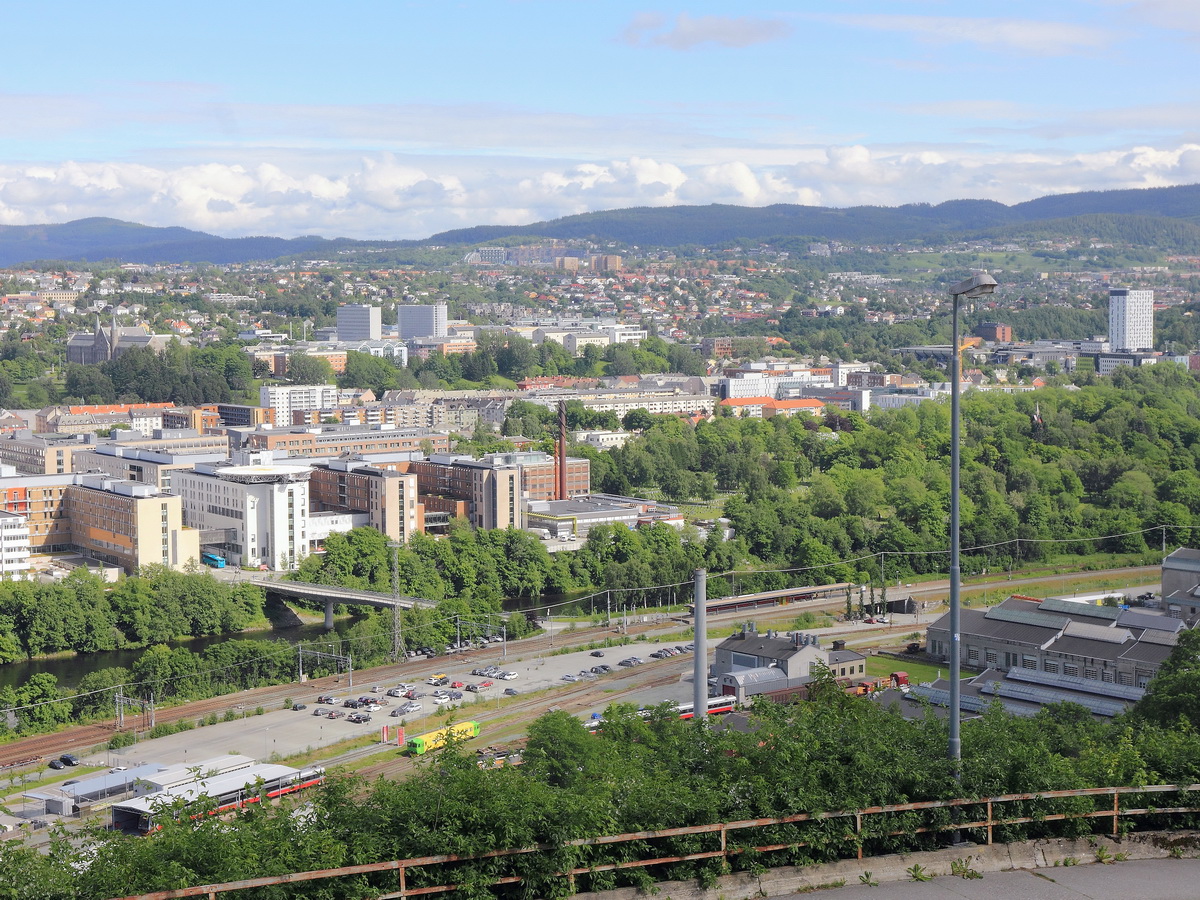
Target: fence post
[724,843]
[858,833]
[403,880]
[1116,812]
[989,818]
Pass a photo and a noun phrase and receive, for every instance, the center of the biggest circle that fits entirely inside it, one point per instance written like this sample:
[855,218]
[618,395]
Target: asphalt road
[1147,879]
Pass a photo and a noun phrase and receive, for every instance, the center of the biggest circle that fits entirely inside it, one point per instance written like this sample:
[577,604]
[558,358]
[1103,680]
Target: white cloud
[1029,36]
[687,32]
[1174,15]
[389,196]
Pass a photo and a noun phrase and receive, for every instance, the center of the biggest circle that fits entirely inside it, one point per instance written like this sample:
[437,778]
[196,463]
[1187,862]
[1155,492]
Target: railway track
[37,749]
[516,715]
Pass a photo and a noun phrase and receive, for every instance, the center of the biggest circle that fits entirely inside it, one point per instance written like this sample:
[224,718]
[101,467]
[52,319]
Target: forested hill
[111,239]
[1168,218]
[1164,218]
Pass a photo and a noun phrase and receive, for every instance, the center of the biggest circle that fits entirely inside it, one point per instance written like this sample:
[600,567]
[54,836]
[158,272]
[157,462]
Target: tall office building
[421,321]
[1130,320]
[359,322]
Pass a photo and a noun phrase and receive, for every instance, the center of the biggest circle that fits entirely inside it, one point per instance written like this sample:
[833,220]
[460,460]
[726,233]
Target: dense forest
[833,753]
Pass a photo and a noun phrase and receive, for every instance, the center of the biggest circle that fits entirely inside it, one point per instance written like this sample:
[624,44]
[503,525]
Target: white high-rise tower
[1130,320]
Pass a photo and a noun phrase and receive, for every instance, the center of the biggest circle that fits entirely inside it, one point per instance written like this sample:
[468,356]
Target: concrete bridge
[331,596]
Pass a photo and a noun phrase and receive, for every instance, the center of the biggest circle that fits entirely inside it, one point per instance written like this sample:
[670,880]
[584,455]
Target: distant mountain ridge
[1168,217]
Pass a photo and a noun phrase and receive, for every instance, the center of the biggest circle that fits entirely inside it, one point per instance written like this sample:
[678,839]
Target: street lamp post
[973,287]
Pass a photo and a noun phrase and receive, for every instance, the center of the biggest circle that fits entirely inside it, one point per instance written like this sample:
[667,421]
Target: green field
[882,666]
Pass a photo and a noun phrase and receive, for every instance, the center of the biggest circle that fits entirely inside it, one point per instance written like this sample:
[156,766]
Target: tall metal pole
[700,657]
[397,640]
[955,744]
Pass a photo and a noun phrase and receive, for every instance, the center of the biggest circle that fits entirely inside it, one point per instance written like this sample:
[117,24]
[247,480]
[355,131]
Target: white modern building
[421,321]
[254,510]
[1130,320]
[359,322]
[286,398]
[14,545]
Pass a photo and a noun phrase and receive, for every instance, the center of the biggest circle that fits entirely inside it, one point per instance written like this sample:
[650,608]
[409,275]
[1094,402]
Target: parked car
[507,676]
[299,706]
[325,698]
[319,711]
[56,764]
[570,677]
[597,653]
[456,695]
[441,701]
[511,692]
[335,714]
[69,759]
[358,718]
[457,685]
[437,679]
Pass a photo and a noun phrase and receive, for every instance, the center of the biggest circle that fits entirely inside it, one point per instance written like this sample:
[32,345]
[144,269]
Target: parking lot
[283,732]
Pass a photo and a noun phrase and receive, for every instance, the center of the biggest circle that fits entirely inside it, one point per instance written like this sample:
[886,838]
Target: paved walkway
[1146,879]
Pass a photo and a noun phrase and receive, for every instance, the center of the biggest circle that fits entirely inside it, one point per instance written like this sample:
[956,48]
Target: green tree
[303,369]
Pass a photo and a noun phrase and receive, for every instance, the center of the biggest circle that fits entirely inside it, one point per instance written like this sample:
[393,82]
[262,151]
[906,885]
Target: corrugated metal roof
[1166,638]
[1075,683]
[1023,617]
[1075,609]
[1097,632]
[1131,618]
[756,676]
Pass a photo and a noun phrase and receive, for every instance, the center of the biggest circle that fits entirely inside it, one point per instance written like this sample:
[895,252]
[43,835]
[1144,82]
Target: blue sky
[402,119]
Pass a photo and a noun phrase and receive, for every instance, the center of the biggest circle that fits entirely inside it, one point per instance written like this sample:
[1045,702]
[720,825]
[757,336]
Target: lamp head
[975,286]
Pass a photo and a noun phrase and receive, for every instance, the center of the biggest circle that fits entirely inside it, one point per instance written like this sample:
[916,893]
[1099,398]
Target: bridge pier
[329,615]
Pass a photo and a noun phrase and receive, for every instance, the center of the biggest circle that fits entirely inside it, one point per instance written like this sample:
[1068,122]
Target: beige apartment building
[118,522]
[41,454]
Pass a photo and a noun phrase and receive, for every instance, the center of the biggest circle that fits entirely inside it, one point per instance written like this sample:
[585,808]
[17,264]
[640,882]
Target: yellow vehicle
[435,739]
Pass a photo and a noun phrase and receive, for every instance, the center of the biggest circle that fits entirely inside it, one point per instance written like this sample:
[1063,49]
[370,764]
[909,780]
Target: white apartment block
[577,340]
[14,545]
[286,398]
[1130,320]
[261,507]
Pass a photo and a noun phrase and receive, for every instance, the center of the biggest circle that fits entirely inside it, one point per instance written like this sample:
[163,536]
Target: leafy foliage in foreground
[638,774]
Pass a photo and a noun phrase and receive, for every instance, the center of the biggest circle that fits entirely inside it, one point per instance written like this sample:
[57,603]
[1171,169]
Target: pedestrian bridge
[331,595]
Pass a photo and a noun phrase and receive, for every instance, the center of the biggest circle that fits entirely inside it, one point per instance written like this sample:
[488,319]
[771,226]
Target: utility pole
[700,638]
[397,637]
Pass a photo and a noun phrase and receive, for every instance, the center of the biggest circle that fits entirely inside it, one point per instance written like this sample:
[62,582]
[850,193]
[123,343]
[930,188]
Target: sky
[394,119]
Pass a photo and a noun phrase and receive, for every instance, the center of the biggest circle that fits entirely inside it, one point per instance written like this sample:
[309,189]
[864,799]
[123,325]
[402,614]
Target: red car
[457,685]
[485,684]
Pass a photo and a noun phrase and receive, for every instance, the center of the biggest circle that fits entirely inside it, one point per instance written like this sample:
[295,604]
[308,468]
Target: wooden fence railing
[983,815]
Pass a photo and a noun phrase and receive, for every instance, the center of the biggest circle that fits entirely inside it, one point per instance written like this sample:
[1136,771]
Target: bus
[212,559]
[435,739]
